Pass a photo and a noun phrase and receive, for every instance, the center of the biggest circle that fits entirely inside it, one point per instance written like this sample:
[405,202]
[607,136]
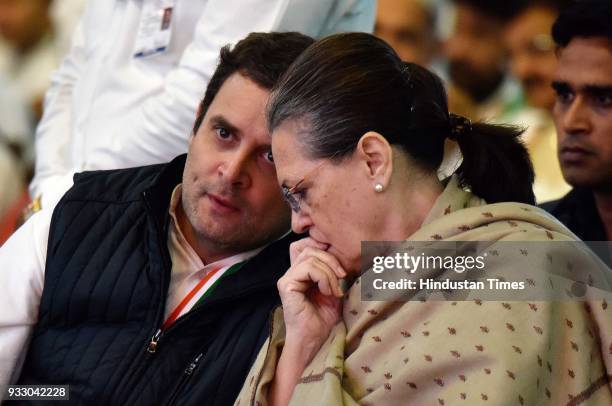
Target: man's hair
[497,10]
[262,57]
[516,7]
[585,18]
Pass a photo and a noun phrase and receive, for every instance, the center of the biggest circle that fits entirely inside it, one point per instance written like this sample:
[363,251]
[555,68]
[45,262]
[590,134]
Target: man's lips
[222,204]
[573,153]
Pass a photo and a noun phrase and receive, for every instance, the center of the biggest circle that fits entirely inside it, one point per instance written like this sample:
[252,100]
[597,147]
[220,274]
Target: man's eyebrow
[220,121]
[591,89]
[560,86]
[598,90]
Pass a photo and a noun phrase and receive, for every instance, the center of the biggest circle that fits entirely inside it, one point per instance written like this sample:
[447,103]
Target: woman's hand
[311,296]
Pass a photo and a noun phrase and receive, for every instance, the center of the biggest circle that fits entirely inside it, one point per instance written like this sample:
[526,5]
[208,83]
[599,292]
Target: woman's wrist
[291,364]
[301,348]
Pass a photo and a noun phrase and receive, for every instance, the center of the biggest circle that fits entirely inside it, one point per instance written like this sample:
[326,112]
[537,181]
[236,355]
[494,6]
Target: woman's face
[337,204]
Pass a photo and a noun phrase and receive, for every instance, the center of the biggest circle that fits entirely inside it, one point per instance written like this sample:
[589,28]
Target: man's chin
[219,230]
[581,179]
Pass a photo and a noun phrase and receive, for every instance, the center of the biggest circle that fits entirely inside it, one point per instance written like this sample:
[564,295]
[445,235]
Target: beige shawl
[457,353]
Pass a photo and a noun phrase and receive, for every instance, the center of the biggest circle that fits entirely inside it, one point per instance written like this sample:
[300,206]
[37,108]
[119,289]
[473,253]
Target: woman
[357,137]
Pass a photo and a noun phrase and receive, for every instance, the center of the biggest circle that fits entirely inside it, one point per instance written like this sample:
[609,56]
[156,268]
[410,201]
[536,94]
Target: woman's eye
[300,194]
[223,133]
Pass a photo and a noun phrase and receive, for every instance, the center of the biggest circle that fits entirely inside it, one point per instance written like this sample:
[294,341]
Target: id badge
[154,28]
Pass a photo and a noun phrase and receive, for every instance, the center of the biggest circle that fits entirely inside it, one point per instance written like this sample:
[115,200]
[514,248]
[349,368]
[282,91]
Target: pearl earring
[378,187]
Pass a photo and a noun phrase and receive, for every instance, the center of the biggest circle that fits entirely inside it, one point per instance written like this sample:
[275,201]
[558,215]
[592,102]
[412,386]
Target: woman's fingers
[311,271]
[296,248]
[331,261]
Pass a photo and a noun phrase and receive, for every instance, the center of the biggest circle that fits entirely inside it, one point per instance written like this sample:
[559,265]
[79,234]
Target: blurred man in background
[409,26]
[479,87]
[531,48]
[583,117]
[533,62]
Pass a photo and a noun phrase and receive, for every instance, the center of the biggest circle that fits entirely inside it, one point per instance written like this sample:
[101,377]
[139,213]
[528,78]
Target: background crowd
[497,59]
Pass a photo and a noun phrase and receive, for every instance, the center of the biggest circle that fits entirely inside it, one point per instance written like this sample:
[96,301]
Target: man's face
[231,198]
[476,59]
[583,112]
[22,20]
[532,56]
[406,26]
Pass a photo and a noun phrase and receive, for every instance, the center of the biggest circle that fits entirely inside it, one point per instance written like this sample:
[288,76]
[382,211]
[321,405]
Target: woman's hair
[348,84]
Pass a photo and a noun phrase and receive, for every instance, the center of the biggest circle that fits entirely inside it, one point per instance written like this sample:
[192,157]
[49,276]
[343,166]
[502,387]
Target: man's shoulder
[277,251]
[575,199]
[552,205]
[120,185]
[261,271]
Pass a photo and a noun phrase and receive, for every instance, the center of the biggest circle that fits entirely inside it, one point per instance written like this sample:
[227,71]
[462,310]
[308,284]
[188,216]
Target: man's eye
[268,156]
[223,133]
[564,97]
[603,100]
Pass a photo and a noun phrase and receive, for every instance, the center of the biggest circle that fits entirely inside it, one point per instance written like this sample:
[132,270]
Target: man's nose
[234,169]
[576,117]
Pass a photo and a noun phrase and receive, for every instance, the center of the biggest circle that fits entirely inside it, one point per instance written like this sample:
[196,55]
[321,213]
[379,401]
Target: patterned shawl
[457,353]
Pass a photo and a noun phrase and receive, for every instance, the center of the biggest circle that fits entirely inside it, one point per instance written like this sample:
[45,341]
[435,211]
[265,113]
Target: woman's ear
[377,156]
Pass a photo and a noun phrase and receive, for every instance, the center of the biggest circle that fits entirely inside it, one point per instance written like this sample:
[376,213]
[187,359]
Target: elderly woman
[357,137]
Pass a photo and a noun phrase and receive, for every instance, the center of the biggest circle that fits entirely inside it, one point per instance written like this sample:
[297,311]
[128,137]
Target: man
[157,291]
[533,62]
[531,47]
[127,91]
[583,117]
[479,87]
[409,27]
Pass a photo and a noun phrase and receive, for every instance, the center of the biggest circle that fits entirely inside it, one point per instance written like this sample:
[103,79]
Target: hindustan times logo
[410,263]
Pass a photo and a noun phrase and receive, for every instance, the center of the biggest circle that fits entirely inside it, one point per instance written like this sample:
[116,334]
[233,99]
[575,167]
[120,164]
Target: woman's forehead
[290,158]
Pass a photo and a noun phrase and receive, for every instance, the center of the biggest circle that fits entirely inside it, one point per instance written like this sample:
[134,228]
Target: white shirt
[107,109]
[22,264]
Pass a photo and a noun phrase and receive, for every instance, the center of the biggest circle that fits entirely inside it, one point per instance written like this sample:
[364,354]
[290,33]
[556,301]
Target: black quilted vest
[106,280]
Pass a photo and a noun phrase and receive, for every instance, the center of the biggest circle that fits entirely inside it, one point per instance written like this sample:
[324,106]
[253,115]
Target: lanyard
[179,308]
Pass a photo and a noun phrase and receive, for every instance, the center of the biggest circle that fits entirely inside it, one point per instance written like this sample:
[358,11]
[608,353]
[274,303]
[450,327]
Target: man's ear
[377,156]
[199,113]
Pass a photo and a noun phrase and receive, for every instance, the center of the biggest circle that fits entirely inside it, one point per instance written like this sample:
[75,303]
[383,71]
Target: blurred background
[496,57]
[34,36]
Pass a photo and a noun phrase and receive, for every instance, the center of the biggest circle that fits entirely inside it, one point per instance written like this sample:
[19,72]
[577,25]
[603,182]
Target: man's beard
[479,87]
[243,234]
